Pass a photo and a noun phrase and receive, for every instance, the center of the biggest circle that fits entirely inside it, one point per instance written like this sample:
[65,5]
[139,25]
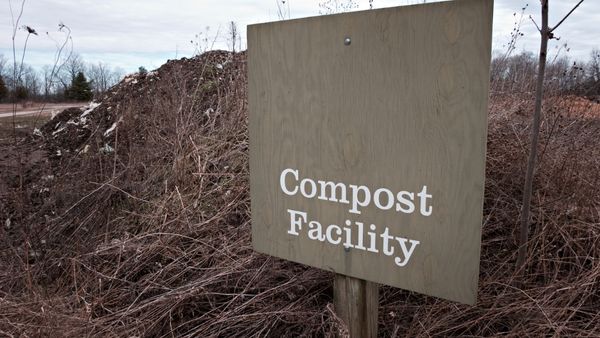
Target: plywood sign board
[368,142]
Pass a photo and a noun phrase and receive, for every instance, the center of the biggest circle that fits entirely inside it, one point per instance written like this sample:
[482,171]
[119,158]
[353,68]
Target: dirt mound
[137,224]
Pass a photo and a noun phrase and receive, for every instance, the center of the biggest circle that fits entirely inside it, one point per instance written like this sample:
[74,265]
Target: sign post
[367,147]
[356,301]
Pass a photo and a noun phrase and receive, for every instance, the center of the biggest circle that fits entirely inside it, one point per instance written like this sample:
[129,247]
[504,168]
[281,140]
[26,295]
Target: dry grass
[153,238]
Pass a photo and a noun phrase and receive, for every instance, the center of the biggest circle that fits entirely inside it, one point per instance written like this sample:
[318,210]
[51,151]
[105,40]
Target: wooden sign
[368,143]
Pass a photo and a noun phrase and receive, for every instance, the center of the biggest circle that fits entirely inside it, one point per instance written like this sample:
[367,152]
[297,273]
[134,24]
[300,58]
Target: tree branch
[535,23]
[566,16]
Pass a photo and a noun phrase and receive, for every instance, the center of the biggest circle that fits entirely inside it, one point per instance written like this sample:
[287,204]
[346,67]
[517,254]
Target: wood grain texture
[405,105]
[356,301]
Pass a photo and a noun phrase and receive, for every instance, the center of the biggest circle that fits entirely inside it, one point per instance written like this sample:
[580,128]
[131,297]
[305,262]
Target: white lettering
[282,181]
[387,250]
[390,199]
[313,188]
[295,223]
[355,201]
[334,187]
[406,252]
[338,231]
[425,210]
[409,206]
[316,231]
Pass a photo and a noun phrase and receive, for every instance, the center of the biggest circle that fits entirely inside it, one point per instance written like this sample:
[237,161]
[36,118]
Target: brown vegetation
[143,229]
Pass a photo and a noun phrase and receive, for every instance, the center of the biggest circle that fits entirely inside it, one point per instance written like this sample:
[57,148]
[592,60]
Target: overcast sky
[146,33]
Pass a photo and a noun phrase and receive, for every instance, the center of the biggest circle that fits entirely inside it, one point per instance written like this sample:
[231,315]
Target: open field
[132,218]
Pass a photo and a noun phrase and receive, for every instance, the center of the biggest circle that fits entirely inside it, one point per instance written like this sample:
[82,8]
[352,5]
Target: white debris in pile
[112,128]
[58,153]
[130,79]
[59,130]
[107,149]
[37,132]
[90,108]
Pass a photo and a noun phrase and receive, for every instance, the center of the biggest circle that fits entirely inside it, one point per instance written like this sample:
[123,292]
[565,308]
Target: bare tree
[115,76]
[46,73]
[3,63]
[283,9]
[546,33]
[233,35]
[30,81]
[336,6]
[592,71]
[594,65]
[70,68]
[99,75]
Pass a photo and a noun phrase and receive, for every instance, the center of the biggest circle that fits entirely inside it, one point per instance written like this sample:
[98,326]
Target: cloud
[146,33]
[578,31]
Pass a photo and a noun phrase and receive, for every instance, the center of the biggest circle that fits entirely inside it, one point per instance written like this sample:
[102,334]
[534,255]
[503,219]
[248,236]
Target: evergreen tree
[3,89]
[21,93]
[80,89]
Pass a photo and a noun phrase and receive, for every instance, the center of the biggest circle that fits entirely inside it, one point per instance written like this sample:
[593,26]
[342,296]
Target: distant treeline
[79,80]
[74,80]
[517,74]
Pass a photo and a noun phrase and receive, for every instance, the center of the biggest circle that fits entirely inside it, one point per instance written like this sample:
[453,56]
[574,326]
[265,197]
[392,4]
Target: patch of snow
[48,177]
[60,130]
[90,108]
[219,66]
[130,79]
[58,153]
[208,112]
[7,223]
[112,128]
[37,132]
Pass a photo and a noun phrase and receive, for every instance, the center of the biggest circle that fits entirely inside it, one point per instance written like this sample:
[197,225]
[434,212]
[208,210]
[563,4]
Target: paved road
[47,111]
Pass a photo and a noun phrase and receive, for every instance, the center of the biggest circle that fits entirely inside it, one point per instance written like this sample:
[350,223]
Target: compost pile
[135,222]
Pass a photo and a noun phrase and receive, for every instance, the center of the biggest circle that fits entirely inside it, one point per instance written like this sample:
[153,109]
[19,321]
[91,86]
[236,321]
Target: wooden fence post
[356,301]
